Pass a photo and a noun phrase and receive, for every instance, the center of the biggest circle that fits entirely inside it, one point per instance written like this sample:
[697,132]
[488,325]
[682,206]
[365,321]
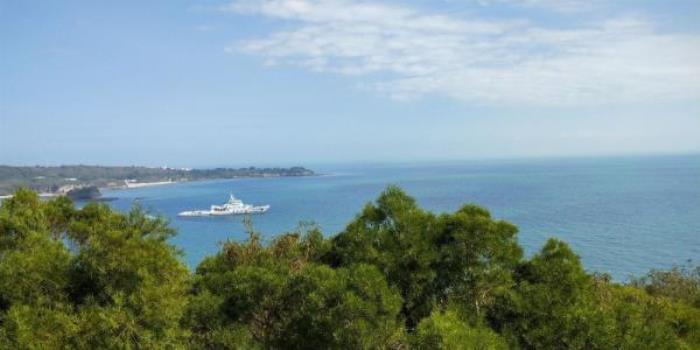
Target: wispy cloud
[406,54]
[570,6]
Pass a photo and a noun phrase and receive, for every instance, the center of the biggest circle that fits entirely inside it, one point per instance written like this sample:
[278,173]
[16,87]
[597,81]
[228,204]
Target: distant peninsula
[83,181]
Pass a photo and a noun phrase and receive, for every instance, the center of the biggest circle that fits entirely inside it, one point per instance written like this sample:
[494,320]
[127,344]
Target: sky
[284,82]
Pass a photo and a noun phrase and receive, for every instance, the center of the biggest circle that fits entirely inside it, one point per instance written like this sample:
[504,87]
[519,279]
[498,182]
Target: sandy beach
[147,184]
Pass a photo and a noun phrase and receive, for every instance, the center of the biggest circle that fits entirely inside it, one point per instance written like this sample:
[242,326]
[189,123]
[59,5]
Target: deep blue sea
[622,215]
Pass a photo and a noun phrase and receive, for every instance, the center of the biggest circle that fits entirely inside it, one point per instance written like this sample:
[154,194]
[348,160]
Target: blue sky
[202,83]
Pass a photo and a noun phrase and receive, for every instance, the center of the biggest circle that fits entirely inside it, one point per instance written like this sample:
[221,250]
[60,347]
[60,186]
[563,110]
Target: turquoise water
[622,215]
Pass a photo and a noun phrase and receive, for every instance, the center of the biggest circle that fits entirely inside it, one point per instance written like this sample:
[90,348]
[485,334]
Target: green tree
[119,285]
[551,305]
[634,319]
[653,311]
[445,330]
[396,236]
[284,298]
[681,283]
[477,256]
[466,256]
[397,277]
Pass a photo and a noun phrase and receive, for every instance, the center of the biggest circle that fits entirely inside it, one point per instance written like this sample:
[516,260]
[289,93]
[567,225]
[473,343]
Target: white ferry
[234,206]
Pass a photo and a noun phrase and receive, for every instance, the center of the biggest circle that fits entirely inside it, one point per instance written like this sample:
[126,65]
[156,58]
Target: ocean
[622,215]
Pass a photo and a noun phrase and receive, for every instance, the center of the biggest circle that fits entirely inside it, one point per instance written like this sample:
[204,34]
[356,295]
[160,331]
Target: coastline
[62,178]
[41,195]
[126,184]
[161,183]
[146,184]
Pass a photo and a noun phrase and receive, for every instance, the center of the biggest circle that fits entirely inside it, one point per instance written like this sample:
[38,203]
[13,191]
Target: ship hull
[199,213]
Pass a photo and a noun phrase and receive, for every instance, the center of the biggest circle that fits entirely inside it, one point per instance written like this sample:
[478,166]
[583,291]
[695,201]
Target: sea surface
[622,215]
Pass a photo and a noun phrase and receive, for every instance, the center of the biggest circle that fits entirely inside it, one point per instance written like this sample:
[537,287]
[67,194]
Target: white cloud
[570,6]
[405,54]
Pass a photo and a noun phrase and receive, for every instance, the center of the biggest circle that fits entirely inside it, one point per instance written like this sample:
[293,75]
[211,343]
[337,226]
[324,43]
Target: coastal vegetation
[397,277]
[52,179]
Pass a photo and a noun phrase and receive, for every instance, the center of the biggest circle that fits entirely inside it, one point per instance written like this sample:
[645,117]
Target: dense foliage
[398,277]
[87,279]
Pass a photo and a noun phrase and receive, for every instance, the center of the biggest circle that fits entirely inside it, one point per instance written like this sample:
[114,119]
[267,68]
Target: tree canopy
[397,277]
[89,278]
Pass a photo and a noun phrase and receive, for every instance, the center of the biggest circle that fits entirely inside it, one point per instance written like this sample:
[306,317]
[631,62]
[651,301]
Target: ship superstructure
[234,206]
